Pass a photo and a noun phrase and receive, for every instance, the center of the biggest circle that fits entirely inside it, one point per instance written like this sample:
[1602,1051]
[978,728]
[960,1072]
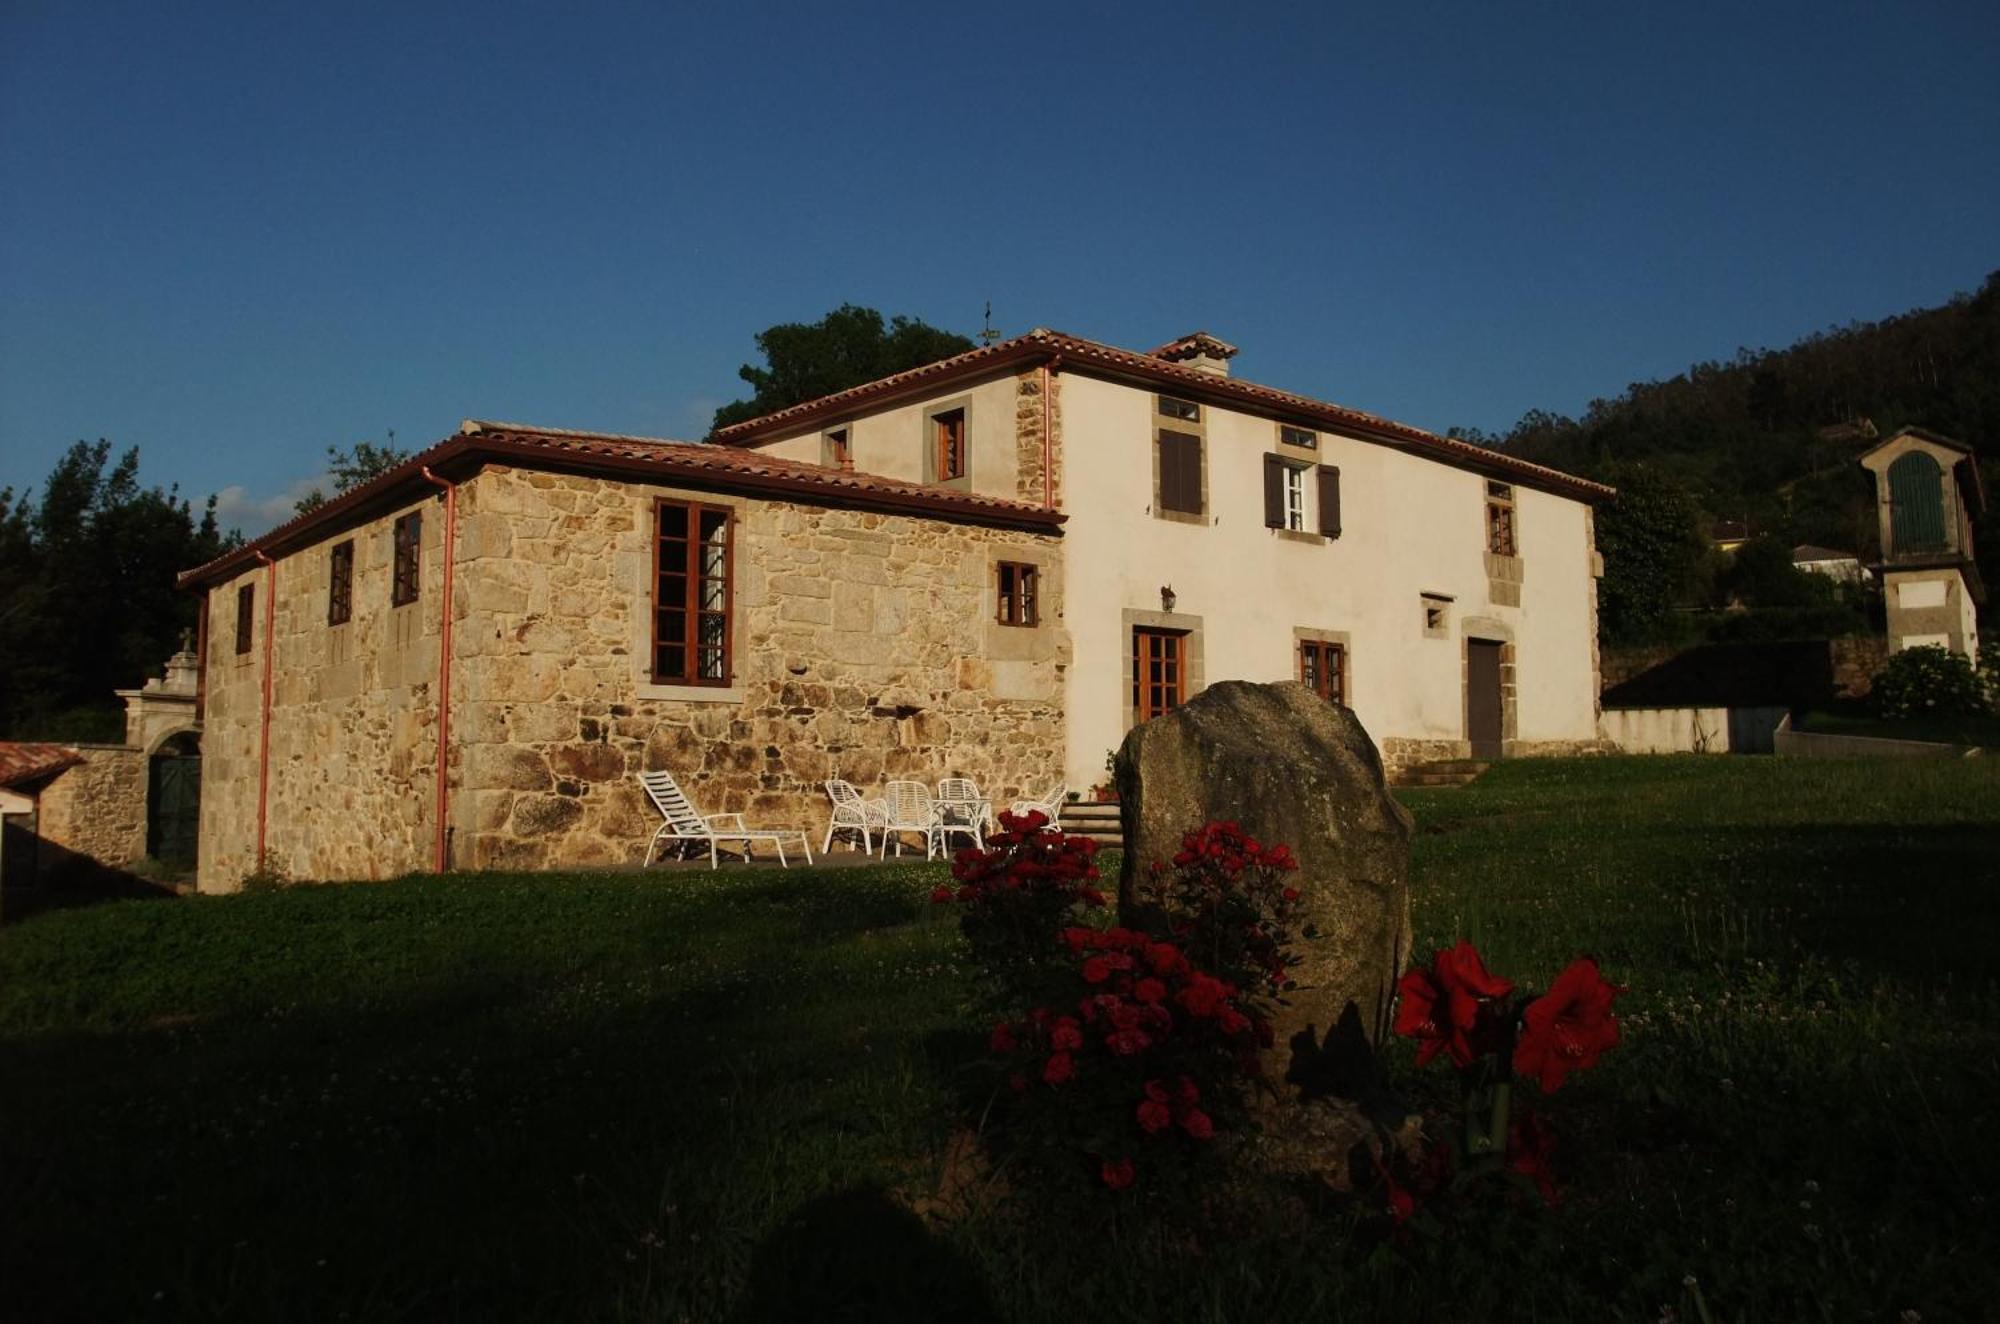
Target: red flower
[1118,1174]
[1091,896]
[1197,1124]
[1186,1090]
[1417,1014]
[1018,1083]
[1066,1035]
[1060,1067]
[1156,1090]
[1150,991]
[1095,971]
[940,895]
[1230,1020]
[1204,995]
[1002,1038]
[1290,893]
[1165,958]
[1569,1027]
[1155,1117]
[1076,938]
[1128,1043]
[1531,1145]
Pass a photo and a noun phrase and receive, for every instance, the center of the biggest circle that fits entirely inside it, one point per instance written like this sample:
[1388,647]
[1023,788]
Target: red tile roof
[698,464]
[27,761]
[1043,345]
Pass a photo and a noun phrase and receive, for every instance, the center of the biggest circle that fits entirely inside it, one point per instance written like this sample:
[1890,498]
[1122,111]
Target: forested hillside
[1771,436]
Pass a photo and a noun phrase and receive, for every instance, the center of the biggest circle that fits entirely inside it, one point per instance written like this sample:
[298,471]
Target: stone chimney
[1200,351]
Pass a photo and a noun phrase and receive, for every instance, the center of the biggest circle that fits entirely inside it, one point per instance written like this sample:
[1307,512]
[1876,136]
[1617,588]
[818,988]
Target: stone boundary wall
[1857,659]
[98,807]
[353,745]
[1401,753]
[866,648]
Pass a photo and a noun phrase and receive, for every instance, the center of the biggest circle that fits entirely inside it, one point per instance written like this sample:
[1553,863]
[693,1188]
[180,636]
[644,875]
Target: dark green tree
[1652,547]
[351,468]
[847,347]
[87,596]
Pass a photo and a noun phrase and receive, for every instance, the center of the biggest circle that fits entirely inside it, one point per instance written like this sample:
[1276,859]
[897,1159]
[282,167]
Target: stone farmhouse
[993,566]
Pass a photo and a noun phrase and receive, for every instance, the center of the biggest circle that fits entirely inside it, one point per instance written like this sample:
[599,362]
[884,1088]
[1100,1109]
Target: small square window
[1020,591]
[1299,437]
[838,451]
[1181,409]
[1437,616]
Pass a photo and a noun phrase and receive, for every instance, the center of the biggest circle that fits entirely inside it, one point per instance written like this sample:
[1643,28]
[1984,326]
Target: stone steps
[1444,772]
[1099,822]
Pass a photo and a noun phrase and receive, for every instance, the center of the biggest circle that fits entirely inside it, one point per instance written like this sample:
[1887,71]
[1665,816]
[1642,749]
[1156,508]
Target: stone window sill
[1180,516]
[1300,535]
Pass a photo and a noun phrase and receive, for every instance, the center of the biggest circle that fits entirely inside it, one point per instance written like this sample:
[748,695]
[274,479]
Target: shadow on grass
[858,1255]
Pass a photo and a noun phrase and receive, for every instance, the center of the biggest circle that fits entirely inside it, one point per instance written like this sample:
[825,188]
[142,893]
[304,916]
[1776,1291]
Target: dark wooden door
[173,809]
[1158,669]
[1482,697]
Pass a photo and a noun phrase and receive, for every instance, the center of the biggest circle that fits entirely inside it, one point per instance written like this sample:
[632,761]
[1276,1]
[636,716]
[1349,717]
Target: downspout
[1048,445]
[441,859]
[264,723]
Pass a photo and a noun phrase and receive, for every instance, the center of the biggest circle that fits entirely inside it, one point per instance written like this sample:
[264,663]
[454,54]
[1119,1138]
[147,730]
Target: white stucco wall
[893,441]
[1409,526]
[1668,730]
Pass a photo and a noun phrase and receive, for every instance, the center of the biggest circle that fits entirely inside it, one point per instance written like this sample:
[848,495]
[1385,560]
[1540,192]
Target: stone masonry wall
[866,647]
[353,745]
[98,807]
[1028,437]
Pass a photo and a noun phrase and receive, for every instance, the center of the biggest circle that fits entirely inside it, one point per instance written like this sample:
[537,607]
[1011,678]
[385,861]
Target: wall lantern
[1167,598]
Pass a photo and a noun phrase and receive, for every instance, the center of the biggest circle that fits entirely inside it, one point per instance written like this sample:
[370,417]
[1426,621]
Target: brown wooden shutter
[1329,500]
[1180,472]
[1274,492]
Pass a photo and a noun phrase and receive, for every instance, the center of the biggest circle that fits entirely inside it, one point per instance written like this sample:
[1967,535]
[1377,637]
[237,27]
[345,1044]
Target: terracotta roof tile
[1042,344]
[26,761]
[644,459]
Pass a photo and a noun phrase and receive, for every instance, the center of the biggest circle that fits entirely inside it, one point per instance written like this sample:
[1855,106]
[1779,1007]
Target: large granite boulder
[1289,767]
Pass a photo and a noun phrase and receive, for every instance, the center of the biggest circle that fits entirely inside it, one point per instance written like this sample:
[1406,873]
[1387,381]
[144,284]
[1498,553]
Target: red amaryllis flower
[1059,1068]
[1066,1035]
[1420,1015]
[1002,1038]
[1149,991]
[1095,971]
[1118,1173]
[1154,1116]
[1204,995]
[1197,1124]
[1569,1027]
[941,895]
[1531,1147]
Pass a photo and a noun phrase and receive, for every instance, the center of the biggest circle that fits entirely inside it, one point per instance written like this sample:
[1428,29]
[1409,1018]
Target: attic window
[1500,520]
[1181,409]
[1298,437]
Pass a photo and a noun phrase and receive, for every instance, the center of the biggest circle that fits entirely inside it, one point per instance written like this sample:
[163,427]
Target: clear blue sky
[232,234]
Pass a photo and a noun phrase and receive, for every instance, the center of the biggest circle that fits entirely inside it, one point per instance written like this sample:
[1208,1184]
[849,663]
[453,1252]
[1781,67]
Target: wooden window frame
[839,446]
[1019,594]
[246,615]
[1319,659]
[1153,698]
[340,583]
[406,577]
[1303,438]
[1183,411]
[1291,484]
[1160,447]
[948,443]
[690,606]
[1503,536]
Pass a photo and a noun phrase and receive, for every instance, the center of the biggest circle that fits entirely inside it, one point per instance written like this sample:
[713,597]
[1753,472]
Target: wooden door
[1482,697]
[1159,669]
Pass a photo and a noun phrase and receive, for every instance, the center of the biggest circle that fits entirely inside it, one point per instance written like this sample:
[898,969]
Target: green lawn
[682,1095]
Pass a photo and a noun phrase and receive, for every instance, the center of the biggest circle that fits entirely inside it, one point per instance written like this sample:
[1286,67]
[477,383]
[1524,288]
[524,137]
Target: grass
[687,1096]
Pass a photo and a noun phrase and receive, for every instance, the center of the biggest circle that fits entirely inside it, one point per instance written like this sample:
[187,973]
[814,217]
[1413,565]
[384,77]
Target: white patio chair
[685,824]
[853,813]
[962,809]
[909,808]
[1049,806]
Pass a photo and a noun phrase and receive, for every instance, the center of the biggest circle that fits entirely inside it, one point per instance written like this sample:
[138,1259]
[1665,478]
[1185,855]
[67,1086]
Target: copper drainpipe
[442,850]
[1048,461]
[264,725]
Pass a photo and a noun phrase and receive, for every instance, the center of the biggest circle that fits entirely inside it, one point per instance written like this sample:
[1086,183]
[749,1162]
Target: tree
[847,347]
[352,468]
[87,596]
[1652,548]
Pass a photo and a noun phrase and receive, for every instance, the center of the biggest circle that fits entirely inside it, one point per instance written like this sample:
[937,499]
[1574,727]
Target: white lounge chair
[853,813]
[684,824]
[962,809]
[909,808]
[1049,806]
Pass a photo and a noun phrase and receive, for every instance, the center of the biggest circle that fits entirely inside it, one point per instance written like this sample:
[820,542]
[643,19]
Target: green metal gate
[173,809]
